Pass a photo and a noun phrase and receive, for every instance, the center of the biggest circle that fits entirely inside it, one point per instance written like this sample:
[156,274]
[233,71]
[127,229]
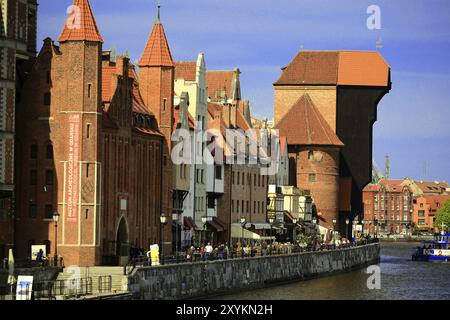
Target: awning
[214,226]
[238,232]
[189,223]
[261,226]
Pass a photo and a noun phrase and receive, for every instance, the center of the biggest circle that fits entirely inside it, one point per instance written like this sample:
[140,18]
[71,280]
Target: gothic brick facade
[94,150]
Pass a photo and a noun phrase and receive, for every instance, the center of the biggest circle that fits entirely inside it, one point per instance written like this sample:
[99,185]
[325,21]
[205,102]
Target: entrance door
[122,243]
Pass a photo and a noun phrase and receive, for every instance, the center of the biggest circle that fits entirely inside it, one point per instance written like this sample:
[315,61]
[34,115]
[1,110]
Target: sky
[261,36]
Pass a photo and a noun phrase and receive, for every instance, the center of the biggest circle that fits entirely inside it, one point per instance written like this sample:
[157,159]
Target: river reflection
[401,279]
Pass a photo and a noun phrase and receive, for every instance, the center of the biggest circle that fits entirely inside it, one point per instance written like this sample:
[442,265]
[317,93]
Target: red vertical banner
[72,170]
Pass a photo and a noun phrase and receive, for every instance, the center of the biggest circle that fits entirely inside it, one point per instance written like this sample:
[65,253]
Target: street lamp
[271,221]
[347,222]
[294,236]
[163,221]
[175,218]
[334,234]
[56,219]
[243,221]
[204,221]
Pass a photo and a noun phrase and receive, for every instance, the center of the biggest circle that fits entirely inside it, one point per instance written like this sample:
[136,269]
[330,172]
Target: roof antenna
[158,19]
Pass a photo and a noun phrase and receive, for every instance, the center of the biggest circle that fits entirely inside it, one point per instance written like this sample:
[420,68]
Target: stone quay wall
[205,279]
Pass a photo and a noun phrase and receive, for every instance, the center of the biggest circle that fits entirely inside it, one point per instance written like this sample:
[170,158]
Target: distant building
[388,208]
[425,209]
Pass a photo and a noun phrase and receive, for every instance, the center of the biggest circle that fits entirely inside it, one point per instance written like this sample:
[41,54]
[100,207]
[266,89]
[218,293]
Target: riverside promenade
[209,278]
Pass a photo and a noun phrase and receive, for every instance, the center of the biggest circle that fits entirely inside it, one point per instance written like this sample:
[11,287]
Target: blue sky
[260,36]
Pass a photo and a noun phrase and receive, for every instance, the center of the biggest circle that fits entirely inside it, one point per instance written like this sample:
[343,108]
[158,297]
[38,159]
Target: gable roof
[82,27]
[305,125]
[186,70]
[219,83]
[108,72]
[347,68]
[157,51]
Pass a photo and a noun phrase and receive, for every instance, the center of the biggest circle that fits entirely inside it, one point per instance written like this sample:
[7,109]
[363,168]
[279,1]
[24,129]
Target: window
[164,104]
[89,90]
[237,206]
[48,212]
[33,177]
[232,206]
[421,222]
[421,213]
[49,151]
[243,178]
[218,172]
[47,99]
[311,155]
[312,178]
[49,177]
[211,203]
[33,151]
[32,211]
[88,130]
[238,177]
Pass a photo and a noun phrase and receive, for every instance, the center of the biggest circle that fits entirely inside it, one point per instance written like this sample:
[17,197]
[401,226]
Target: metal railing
[104,284]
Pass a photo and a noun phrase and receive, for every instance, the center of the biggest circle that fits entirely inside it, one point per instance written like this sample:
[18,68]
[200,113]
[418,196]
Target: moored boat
[437,250]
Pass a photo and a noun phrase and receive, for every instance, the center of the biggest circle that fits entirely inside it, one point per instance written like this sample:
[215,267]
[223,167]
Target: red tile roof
[186,70]
[218,82]
[108,91]
[358,68]
[437,202]
[305,125]
[80,25]
[432,187]
[157,51]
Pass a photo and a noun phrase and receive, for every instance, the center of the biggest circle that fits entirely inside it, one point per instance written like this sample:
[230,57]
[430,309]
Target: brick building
[425,209]
[388,208]
[94,146]
[245,189]
[345,87]
[17,49]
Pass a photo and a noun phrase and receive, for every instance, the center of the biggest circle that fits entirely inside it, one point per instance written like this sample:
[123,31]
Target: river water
[401,279]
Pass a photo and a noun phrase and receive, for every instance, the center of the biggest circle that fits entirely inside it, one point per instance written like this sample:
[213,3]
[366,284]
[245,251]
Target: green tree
[443,217]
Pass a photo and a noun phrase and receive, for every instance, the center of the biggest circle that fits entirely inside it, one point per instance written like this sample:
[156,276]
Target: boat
[437,250]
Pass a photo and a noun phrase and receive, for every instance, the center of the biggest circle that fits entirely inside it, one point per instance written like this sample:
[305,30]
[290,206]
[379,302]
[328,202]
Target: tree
[443,216]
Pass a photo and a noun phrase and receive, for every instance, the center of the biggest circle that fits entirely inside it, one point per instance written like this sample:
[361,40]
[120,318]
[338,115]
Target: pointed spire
[158,18]
[80,24]
[157,51]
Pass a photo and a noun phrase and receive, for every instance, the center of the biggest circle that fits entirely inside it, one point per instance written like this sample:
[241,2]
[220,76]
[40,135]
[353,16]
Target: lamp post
[204,220]
[175,218]
[56,219]
[334,234]
[163,221]
[271,221]
[375,225]
[243,221]
[347,222]
[294,236]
